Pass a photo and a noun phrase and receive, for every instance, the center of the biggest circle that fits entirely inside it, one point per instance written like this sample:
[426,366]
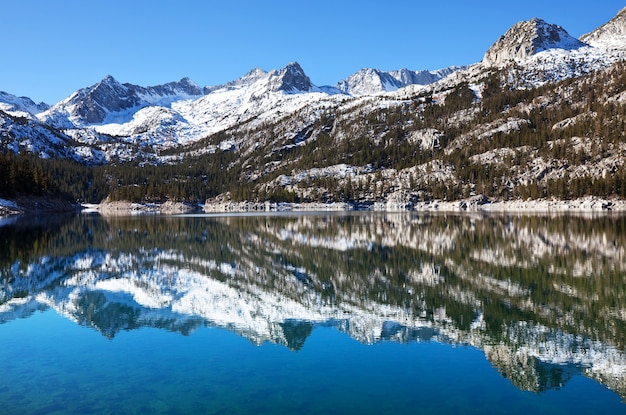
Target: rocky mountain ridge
[111,102]
[97,103]
[379,136]
[115,106]
[370,81]
[20,105]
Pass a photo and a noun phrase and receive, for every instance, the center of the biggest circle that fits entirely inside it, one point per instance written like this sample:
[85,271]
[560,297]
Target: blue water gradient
[51,365]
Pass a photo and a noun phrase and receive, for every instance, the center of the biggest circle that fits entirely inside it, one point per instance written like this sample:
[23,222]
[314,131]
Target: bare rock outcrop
[525,39]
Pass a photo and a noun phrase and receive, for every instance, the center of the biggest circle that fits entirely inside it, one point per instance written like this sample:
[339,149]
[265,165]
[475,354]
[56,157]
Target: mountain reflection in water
[543,297]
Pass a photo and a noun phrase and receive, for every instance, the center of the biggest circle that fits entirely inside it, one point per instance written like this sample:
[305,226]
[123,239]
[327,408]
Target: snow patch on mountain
[18,133]
[262,95]
[554,65]
[248,79]
[148,119]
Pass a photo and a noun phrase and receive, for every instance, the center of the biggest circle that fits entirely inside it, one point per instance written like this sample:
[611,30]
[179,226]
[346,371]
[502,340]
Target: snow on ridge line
[185,116]
[118,119]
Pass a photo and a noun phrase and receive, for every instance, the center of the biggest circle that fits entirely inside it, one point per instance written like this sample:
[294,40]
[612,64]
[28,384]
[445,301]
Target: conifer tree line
[23,174]
[380,139]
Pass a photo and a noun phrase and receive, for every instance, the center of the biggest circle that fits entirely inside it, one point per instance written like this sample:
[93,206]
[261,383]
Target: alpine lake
[313,313]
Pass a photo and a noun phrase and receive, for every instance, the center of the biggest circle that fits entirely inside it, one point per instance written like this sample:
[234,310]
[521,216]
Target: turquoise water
[95,330]
[52,366]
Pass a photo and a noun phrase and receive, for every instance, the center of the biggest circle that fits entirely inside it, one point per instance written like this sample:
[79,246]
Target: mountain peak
[108,79]
[369,81]
[187,81]
[96,103]
[294,67]
[527,38]
[13,104]
[255,73]
[611,35]
[290,79]
[249,78]
[184,87]
[373,81]
[92,104]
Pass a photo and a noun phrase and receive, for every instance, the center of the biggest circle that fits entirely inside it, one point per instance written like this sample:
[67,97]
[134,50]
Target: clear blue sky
[52,48]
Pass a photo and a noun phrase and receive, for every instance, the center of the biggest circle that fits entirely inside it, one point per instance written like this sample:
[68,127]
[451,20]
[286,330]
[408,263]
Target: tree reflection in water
[543,297]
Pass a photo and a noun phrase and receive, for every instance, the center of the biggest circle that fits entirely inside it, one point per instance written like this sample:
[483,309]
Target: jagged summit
[95,103]
[611,35]
[369,81]
[423,77]
[247,79]
[13,104]
[92,104]
[525,39]
[108,79]
[290,79]
[372,81]
[165,93]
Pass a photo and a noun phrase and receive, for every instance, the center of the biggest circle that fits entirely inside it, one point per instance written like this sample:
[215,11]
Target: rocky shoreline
[42,205]
[122,208]
[241,207]
[473,204]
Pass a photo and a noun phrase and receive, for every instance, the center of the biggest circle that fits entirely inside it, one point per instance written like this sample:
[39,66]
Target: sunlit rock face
[611,35]
[540,296]
[526,39]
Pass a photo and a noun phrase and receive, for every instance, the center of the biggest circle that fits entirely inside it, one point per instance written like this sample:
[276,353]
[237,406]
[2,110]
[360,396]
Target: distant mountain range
[119,122]
[179,112]
[372,81]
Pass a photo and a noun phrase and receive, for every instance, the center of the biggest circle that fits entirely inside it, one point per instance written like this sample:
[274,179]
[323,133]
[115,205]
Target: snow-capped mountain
[424,77]
[526,39]
[247,79]
[611,35]
[125,121]
[256,97]
[20,106]
[182,112]
[372,81]
[369,81]
[20,130]
[110,101]
[290,79]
